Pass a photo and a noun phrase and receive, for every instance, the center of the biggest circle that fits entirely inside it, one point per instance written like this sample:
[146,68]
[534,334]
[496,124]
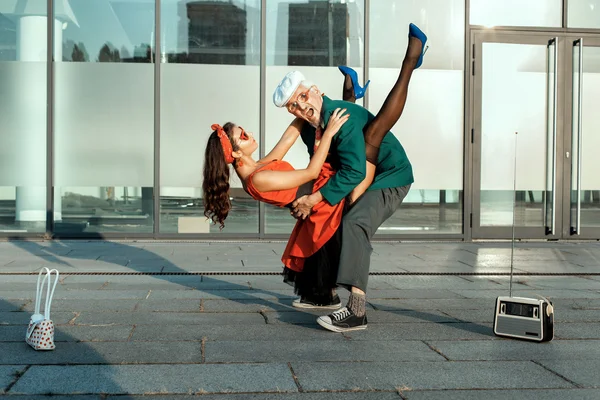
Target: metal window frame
[49,121]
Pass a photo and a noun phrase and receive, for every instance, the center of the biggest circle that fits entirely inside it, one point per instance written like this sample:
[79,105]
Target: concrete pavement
[175,320]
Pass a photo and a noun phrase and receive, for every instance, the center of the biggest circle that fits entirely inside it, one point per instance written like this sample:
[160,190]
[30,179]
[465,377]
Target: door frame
[478,37]
[589,40]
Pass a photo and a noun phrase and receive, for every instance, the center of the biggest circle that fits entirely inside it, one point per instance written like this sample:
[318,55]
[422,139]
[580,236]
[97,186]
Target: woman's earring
[239,163]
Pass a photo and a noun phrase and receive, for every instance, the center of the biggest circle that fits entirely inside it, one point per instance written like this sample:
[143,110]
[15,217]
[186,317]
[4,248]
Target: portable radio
[522,317]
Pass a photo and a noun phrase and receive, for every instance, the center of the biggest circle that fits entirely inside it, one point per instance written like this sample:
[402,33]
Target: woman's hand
[336,121]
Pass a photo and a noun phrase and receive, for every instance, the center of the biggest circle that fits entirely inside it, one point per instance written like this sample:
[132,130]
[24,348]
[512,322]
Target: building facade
[106,107]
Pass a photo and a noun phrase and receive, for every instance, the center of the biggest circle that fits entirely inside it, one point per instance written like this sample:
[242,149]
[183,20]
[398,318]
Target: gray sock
[357,303]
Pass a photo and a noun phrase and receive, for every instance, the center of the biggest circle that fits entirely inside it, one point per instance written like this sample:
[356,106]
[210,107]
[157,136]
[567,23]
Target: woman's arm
[287,140]
[267,181]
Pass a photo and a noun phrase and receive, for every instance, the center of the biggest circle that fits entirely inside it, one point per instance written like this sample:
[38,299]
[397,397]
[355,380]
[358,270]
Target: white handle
[49,292]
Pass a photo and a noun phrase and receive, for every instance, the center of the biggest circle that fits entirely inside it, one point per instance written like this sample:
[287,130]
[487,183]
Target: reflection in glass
[314,38]
[588,160]
[23,98]
[431,126]
[535,13]
[513,100]
[104,118]
[583,14]
[210,74]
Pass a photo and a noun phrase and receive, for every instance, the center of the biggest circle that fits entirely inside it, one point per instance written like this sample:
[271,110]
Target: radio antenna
[514,211]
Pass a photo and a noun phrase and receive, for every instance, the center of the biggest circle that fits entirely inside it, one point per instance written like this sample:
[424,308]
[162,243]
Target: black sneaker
[328,303]
[343,320]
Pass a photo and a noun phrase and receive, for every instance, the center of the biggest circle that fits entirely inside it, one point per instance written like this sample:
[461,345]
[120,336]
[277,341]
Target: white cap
[287,87]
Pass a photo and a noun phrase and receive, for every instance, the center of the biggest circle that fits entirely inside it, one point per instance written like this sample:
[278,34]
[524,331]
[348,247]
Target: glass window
[514,100]
[545,13]
[431,126]
[104,118]
[583,14]
[314,38]
[210,74]
[23,71]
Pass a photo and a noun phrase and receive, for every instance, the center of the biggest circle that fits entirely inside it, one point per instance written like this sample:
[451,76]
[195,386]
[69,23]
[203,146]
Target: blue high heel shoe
[358,91]
[414,31]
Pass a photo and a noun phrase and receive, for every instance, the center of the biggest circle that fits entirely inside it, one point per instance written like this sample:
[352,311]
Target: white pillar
[32,47]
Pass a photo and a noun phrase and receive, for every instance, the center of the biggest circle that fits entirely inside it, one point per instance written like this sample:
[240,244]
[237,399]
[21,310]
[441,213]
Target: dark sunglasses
[243,134]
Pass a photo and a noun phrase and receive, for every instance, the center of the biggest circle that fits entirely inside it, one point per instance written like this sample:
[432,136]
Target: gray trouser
[358,227]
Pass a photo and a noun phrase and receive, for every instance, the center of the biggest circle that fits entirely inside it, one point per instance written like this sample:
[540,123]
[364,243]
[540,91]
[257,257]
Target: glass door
[583,218]
[516,135]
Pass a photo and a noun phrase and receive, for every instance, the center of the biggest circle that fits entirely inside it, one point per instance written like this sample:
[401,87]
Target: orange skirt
[310,234]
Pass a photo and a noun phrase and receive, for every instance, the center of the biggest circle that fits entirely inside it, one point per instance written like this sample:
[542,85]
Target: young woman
[276,182]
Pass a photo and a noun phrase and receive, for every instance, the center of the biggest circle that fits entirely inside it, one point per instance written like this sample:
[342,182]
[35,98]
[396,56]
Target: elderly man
[393,177]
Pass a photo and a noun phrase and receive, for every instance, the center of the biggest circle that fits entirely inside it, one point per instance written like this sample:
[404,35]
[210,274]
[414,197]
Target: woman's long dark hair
[215,186]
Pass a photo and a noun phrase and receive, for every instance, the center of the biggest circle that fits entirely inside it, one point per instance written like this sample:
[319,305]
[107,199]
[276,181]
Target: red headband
[225,143]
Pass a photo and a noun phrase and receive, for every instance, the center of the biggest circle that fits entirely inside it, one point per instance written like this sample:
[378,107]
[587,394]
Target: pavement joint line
[438,351]
[131,333]
[17,375]
[295,377]
[577,385]
[272,273]
[72,321]
[400,389]
[28,302]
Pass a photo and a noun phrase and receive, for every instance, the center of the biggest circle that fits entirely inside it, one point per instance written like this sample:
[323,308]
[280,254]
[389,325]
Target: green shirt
[347,154]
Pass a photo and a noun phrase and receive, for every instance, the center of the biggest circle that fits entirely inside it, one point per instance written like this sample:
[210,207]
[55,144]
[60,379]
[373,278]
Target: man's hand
[301,208]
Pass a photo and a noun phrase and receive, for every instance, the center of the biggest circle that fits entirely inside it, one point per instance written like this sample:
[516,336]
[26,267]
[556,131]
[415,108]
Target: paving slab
[168,318]
[181,305]
[156,379]
[166,282]
[581,372]
[246,305]
[551,394]
[414,294]
[76,305]
[577,304]
[66,333]
[561,316]
[321,351]
[104,353]
[434,282]
[561,282]
[251,333]
[22,318]
[79,295]
[70,397]
[15,305]
[429,304]
[425,331]
[379,395]
[8,374]
[549,293]
[222,294]
[576,330]
[426,375]
[517,350]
